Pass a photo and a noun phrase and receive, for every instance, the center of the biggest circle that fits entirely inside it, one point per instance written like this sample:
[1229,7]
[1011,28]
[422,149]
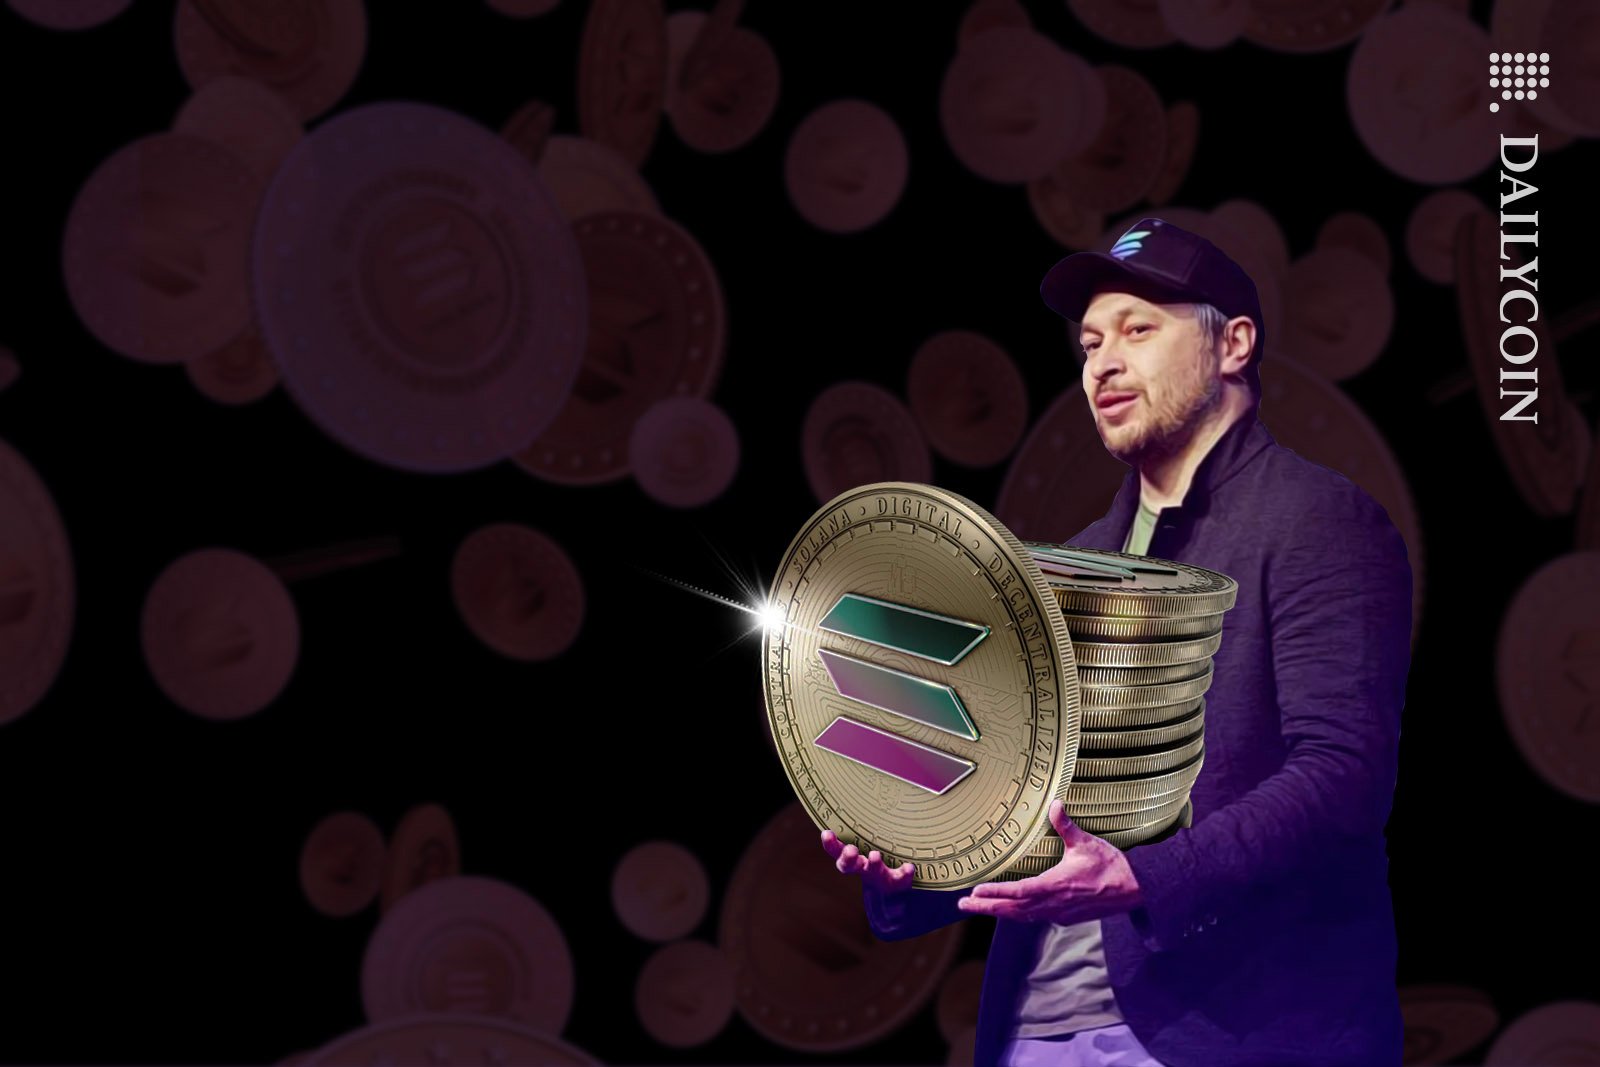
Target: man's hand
[1092,880]
[870,867]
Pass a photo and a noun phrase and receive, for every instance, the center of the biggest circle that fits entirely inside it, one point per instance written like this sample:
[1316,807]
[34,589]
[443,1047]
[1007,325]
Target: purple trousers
[1101,1046]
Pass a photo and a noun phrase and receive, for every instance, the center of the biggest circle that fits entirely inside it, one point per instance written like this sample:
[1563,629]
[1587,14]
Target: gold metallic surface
[1134,718]
[1103,677]
[1117,737]
[1104,628]
[926,548]
[1147,654]
[1130,697]
[1152,812]
[1092,742]
[1158,587]
[1097,824]
[1148,789]
[1165,759]
[1049,849]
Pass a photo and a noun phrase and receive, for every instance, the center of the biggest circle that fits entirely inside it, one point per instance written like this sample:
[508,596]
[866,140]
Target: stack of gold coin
[932,682]
[1143,633]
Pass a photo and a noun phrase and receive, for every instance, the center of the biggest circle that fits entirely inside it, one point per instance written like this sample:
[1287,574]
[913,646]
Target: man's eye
[1142,326]
[1088,348]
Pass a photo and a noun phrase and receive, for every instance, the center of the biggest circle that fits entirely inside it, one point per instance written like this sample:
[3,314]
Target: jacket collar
[1242,441]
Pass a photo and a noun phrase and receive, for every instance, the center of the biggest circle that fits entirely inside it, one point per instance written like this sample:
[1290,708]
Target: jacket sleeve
[1338,604]
[910,912]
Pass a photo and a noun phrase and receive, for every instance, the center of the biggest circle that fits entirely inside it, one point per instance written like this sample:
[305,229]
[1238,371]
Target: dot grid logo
[1518,75]
[936,638]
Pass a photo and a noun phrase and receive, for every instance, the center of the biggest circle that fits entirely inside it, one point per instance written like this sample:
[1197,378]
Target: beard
[1170,418]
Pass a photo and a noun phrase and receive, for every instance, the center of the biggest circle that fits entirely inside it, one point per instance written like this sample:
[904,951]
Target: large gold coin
[921,688]
[1123,585]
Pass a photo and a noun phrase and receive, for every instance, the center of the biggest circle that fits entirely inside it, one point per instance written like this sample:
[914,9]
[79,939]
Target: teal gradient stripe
[904,629]
[1066,556]
[928,702]
[1131,569]
[924,767]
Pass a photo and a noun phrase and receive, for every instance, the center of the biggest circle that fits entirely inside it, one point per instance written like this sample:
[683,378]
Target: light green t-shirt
[1069,988]
[1144,524]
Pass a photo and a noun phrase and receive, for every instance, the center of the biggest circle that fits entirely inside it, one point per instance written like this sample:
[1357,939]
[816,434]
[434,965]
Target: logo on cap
[1129,243]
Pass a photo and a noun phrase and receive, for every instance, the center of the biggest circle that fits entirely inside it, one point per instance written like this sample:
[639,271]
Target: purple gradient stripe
[924,767]
[899,693]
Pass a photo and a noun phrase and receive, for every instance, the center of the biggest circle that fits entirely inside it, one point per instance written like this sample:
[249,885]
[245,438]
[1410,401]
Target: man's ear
[1238,341]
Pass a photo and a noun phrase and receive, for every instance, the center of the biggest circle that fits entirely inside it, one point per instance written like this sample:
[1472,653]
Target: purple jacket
[1267,934]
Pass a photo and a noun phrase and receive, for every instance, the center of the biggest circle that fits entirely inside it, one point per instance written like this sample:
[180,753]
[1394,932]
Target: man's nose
[1104,361]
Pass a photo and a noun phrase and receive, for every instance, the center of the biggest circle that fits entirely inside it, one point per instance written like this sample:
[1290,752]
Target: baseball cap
[1158,261]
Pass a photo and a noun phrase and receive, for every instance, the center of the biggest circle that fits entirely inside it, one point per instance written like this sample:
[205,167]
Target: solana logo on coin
[936,638]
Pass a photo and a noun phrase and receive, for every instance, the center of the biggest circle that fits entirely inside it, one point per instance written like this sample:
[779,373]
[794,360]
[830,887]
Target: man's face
[1150,374]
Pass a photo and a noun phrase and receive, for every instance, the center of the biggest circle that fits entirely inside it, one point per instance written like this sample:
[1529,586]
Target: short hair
[1213,321]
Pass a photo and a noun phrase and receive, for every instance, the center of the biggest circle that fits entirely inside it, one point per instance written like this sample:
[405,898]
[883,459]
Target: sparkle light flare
[769,617]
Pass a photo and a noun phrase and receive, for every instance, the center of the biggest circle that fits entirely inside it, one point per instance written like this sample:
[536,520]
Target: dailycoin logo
[1518,75]
[936,638]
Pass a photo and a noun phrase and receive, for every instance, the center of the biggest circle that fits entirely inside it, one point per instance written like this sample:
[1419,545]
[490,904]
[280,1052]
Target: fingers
[1064,825]
[880,876]
[902,876]
[1018,890]
[845,856]
[849,860]
[992,906]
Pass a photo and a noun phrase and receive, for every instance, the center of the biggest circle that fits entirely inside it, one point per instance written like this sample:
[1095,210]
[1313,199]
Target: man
[1262,933]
